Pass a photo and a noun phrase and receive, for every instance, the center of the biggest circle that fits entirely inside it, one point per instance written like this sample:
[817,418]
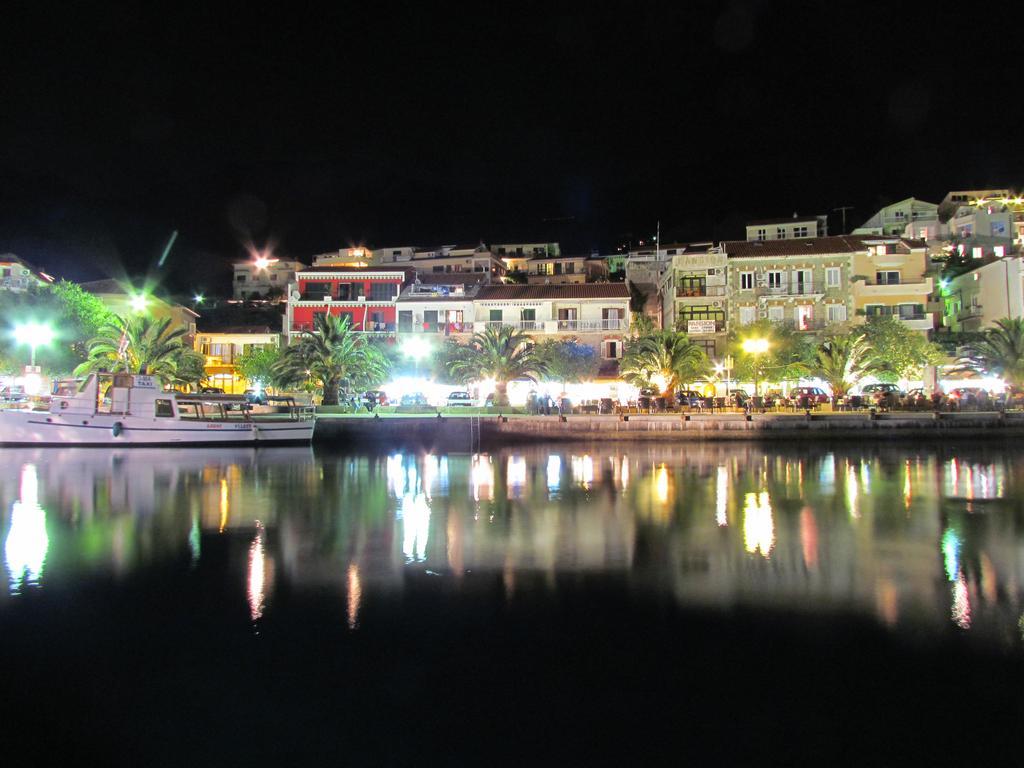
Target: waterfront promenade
[455,431]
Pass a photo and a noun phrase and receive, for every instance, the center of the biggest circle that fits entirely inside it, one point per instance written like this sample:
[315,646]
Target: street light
[417,349]
[139,302]
[35,335]
[756,348]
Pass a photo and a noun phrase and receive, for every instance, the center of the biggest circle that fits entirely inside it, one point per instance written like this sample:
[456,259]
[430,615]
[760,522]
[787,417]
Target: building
[222,347]
[596,314]
[793,228]
[811,283]
[974,300]
[366,296]
[959,198]
[910,217]
[264,278]
[694,296]
[357,256]
[561,270]
[18,276]
[125,300]
[393,254]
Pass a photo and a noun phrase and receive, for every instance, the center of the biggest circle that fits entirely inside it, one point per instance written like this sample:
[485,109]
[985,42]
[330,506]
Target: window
[382,291]
[762,234]
[570,268]
[702,312]
[910,311]
[708,345]
[999,251]
[998,228]
[6,272]
[544,269]
[495,316]
[774,279]
[832,276]
[349,316]
[430,320]
[164,409]
[377,321]
[799,231]
[692,285]
[438,269]
[887,278]
[836,313]
[775,314]
[316,291]
[558,267]
[900,214]
[612,350]
[395,254]
[405,321]
[804,318]
[239,278]
[977,253]
[528,315]
[748,315]
[746,281]
[672,251]
[780,233]
[876,310]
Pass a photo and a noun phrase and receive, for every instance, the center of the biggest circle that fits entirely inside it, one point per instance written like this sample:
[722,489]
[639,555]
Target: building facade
[221,349]
[18,276]
[890,278]
[694,296]
[910,217]
[264,278]
[561,270]
[366,296]
[793,228]
[975,300]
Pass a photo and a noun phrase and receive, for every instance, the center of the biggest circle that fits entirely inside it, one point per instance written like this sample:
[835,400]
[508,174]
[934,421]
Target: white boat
[126,409]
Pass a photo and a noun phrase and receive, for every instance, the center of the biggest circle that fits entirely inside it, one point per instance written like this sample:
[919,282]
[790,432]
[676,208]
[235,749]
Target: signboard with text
[694,327]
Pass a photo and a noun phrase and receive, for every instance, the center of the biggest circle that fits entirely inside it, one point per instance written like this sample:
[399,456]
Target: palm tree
[138,344]
[330,354]
[842,361]
[502,354]
[668,354]
[999,352]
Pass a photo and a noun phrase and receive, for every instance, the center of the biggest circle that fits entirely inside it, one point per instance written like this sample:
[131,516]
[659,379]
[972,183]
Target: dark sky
[360,124]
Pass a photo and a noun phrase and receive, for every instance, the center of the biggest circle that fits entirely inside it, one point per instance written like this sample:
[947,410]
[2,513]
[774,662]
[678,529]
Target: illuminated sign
[700,326]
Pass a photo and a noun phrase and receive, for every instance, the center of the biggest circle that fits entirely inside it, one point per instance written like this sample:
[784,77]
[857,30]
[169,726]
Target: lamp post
[756,348]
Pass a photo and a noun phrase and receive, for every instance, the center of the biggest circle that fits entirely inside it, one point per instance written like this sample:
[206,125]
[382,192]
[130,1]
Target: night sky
[406,126]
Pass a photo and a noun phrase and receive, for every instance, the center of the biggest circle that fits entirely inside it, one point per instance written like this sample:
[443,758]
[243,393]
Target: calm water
[263,605]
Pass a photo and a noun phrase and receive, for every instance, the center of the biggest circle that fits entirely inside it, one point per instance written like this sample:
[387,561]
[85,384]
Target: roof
[570,291]
[812,246]
[788,219]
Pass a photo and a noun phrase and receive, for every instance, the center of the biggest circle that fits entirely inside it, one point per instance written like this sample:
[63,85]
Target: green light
[139,302]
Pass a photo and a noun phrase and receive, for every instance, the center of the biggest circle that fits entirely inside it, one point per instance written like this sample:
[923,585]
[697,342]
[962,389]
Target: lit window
[836,313]
[976,253]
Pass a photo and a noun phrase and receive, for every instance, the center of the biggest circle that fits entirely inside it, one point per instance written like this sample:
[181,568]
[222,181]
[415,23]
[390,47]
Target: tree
[189,368]
[256,364]
[641,325]
[502,354]
[900,352]
[668,354]
[567,360]
[842,361]
[999,352]
[790,355]
[139,344]
[330,354]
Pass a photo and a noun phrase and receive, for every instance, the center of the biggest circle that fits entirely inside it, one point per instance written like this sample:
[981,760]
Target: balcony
[970,313]
[902,288]
[800,289]
[553,326]
[519,325]
[445,328]
[919,322]
[810,324]
[584,326]
[372,329]
[696,293]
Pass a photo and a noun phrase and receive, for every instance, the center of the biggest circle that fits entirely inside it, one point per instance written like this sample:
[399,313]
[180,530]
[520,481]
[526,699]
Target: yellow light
[262,262]
[758,526]
[755,346]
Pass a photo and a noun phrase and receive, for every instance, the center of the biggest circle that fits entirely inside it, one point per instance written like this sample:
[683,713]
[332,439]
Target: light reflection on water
[907,535]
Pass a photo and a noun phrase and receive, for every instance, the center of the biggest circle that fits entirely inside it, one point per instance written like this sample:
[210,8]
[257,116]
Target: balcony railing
[969,313]
[811,324]
[708,290]
[580,326]
[436,328]
[378,329]
[804,289]
[519,325]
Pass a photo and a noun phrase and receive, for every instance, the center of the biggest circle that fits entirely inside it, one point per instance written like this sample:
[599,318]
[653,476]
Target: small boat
[130,409]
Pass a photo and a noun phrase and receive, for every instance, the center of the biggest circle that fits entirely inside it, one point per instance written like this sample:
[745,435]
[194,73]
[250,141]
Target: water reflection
[905,534]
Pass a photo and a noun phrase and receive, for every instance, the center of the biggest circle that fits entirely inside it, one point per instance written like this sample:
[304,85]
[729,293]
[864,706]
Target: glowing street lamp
[35,335]
[139,302]
[755,347]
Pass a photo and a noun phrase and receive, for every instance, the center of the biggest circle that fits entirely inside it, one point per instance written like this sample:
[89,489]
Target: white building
[910,218]
[788,229]
[975,300]
[260,278]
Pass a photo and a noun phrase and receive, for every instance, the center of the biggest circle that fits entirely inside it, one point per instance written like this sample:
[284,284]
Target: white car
[459,399]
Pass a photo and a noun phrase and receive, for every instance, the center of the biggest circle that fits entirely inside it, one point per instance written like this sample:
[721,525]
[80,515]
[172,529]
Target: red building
[366,296]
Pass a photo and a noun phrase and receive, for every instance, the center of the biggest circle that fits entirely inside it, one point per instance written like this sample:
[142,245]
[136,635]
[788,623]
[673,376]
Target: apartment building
[910,218]
[221,349]
[596,314]
[366,296]
[18,276]
[561,270]
[694,296]
[125,300]
[973,301]
[357,256]
[811,283]
[264,277]
[516,255]
[795,227]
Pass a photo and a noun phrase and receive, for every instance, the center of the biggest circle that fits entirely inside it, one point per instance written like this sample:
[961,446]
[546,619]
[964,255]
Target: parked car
[883,394]
[689,398]
[459,398]
[13,394]
[414,398]
[814,395]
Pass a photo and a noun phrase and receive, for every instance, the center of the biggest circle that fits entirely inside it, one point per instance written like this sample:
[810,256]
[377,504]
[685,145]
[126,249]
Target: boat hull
[42,428]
